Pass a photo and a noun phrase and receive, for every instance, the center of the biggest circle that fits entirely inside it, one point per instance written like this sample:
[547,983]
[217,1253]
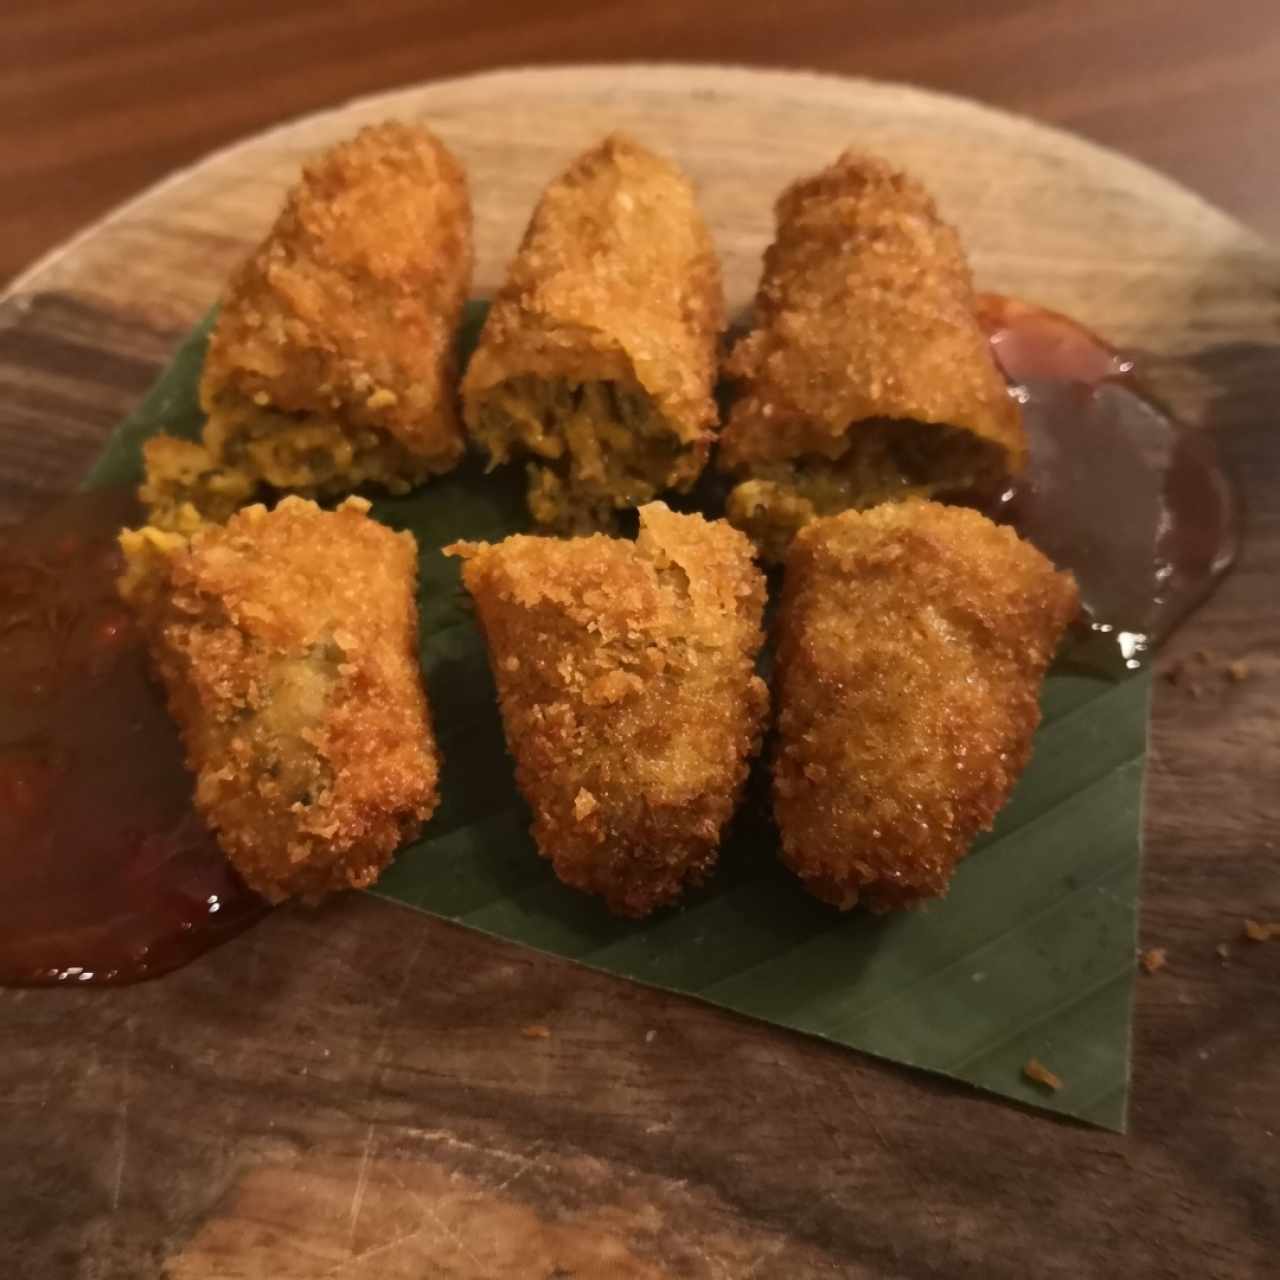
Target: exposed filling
[883,461]
[282,730]
[144,579]
[309,453]
[596,447]
[186,487]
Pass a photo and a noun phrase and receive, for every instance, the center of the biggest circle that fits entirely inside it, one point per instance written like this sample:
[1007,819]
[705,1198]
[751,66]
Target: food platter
[1137,308]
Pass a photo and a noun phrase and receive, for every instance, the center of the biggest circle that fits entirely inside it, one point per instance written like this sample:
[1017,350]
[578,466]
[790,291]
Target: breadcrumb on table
[286,641]
[1153,959]
[634,708]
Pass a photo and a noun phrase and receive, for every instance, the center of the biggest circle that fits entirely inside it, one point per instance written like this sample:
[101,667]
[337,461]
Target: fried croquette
[332,364]
[913,639]
[286,641]
[626,682]
[598,357]
[866,376]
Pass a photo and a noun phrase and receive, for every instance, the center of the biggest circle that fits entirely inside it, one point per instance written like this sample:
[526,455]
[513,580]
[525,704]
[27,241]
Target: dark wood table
[99,100]
[320,1099]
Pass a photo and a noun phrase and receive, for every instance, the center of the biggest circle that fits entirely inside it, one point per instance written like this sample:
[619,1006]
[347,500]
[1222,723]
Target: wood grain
[100,100]
[348,1092]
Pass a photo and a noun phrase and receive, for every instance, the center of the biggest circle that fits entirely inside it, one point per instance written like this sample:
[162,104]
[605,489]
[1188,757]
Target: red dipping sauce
[106,873]
[1135,504]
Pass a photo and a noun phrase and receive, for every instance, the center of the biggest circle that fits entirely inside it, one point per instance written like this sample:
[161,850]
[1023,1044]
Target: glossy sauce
[106,874]
[1136,505]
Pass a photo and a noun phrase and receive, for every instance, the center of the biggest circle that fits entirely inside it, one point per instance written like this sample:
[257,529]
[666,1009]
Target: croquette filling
[595,447]
[884,461]
[309,453]
[185,488]
[283,728]
[145,576]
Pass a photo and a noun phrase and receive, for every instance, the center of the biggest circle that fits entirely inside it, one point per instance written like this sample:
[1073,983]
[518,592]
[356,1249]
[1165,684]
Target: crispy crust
[913,641]
[625,674]
[333,359]
[865,316]
[287,644]
[616,281]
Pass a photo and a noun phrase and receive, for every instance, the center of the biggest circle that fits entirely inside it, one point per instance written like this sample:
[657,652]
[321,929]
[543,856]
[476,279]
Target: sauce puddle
[1135,504]
[108,876]
[106,873]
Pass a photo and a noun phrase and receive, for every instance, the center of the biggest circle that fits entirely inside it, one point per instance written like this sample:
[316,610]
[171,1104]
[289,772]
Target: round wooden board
[348,1092]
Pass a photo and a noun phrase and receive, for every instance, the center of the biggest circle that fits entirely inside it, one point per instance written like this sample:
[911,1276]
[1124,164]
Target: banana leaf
[1031,955]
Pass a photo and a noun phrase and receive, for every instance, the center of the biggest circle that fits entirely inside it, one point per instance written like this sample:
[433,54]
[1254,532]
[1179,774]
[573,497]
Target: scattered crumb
[1038,1073]
[650,1036]
[1153,959]
[1181,675]
[1258,932]
[1189,673]
[1224,950]
[536,1031]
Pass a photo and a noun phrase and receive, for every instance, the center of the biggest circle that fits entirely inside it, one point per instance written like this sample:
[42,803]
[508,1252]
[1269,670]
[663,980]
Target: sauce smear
[1134,503]
[106,873]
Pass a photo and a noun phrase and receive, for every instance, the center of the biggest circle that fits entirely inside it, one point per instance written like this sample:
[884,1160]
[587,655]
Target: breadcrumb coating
[913,639]
[333,360]
[597,360]
[625,674]
[866,376]
[287,644]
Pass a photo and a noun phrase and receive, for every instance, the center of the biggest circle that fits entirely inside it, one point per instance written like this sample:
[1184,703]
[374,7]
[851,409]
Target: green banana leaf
[1032,955]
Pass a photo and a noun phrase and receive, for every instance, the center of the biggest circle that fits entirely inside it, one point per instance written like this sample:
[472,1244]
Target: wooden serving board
[350,1092]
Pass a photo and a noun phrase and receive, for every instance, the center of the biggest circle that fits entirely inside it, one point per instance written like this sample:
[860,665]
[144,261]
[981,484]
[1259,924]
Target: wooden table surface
[338,1096]
[99,100]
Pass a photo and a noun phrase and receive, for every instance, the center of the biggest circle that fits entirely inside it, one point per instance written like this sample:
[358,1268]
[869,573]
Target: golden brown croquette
[286,641]
[598,357]
[865,376]
[913,639]
[626,681]
[332,363]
